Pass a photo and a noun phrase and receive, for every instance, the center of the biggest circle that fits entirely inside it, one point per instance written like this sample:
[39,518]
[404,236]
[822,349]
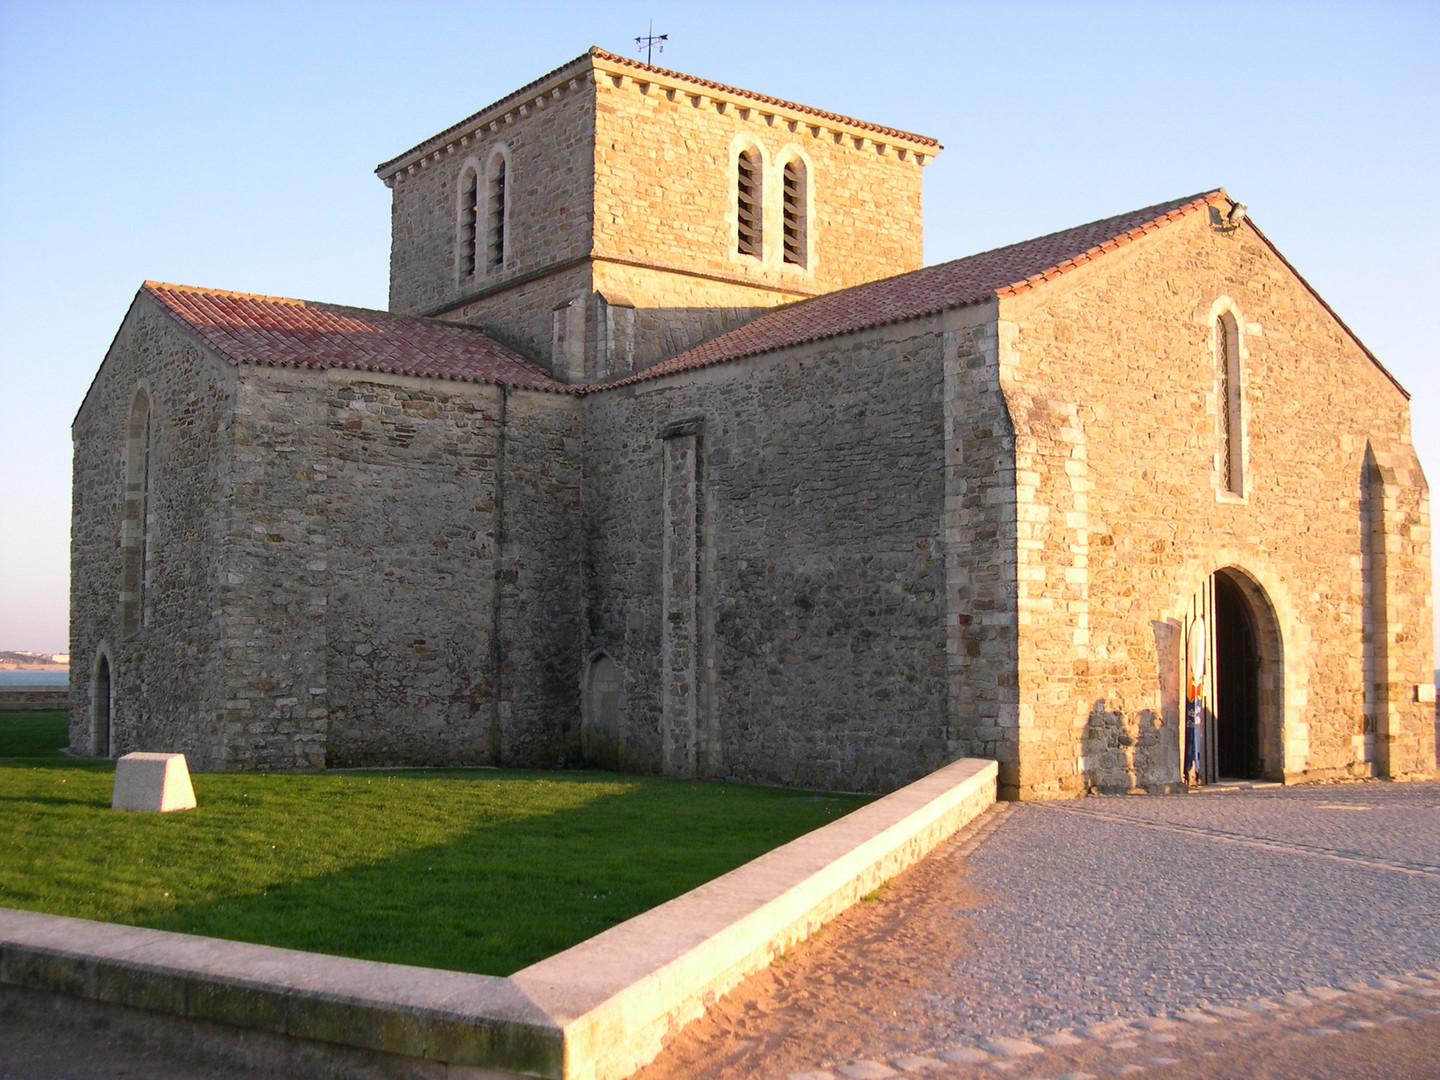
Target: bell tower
[612,214]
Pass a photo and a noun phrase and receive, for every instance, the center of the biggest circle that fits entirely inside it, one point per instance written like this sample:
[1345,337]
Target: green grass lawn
[474,870]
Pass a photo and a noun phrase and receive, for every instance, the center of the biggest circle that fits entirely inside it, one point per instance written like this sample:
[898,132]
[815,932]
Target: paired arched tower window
[750,208]
[135,515]
[481,227]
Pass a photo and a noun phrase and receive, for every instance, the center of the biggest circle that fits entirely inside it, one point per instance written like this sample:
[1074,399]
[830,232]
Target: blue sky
[233,146]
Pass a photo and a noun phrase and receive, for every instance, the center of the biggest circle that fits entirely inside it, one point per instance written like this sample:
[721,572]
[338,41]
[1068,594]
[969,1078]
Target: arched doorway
[1237,684]
[100,708]
[600,724]
[1234,664]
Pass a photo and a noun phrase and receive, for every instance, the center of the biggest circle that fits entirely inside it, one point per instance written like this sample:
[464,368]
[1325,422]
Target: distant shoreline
[11,666]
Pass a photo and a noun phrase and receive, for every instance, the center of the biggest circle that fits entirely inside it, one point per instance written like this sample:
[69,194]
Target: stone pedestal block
[152,782]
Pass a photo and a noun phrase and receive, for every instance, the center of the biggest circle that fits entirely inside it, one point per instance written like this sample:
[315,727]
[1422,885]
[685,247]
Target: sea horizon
[47,677]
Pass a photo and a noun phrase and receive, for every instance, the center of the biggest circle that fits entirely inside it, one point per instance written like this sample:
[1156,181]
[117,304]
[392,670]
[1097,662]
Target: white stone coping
[596,1011]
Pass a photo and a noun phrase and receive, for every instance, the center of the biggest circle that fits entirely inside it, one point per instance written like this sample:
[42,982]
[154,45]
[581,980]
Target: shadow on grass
[475,870]
[493,900]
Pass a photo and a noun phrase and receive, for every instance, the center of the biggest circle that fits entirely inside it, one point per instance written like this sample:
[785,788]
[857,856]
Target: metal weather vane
[651,43]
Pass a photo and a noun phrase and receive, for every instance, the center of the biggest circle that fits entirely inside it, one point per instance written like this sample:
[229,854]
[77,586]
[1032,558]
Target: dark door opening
[1237,684]
[101,707]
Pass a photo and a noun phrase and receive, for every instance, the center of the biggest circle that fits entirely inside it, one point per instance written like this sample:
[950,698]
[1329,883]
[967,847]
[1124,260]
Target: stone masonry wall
[980,542]
[675,311]
[366,573]
[819,625]
[275,600]
[665,187]
[1110,377]
[523,316]
[549,198]
[166,676]
[411,575]
[541,614]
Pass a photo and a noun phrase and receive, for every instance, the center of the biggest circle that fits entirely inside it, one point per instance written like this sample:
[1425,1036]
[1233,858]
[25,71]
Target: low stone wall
[33,698]
[597,1011]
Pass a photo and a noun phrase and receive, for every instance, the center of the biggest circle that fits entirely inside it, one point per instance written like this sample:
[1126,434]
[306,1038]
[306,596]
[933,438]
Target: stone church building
[669,456]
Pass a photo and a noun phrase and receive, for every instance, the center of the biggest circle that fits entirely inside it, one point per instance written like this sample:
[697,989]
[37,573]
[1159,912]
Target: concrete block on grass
[155,782]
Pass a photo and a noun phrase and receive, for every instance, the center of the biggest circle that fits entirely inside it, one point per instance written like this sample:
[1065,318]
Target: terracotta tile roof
[247,329]
[1006,271]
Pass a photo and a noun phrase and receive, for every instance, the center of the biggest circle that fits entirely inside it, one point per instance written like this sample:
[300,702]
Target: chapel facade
[670,456]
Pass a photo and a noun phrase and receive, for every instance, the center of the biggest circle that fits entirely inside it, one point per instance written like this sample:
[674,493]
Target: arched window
[469,222]
[1227,371]
[793,211]
[748,212]
[495,214]
[135,516]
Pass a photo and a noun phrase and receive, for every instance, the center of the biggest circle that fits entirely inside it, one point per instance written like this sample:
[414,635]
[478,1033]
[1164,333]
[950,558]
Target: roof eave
[541,87]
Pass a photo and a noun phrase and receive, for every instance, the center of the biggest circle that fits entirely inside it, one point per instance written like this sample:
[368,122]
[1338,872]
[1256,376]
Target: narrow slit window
[794,213]
[495,238]
[748,204]
[135,517]
[470,223]
[1227,367]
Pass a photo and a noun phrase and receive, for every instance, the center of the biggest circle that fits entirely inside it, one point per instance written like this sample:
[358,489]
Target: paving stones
[867,1070]
[963,1055]
[1005,1047]
[1154,1023]
[917,1064]
[1059,1038]
[1109,936]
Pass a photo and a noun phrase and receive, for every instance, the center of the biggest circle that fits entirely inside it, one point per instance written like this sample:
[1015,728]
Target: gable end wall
[167,677]
[1110,378]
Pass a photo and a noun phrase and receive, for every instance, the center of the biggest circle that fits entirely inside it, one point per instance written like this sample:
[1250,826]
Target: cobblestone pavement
[1275,933]
[1113,928]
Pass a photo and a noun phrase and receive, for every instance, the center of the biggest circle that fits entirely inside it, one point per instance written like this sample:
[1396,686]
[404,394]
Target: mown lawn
[475,870]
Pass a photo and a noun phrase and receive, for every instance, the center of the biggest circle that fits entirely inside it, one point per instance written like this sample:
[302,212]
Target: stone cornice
[794,290]
[768,110]
[622,72]
[533,96]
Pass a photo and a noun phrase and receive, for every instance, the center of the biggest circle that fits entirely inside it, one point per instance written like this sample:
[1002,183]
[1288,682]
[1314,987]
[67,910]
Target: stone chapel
[669,456]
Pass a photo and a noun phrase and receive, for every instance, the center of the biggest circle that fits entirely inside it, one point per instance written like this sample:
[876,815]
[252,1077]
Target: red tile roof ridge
[808,110]
[279,331]
[424,146]
[999,272]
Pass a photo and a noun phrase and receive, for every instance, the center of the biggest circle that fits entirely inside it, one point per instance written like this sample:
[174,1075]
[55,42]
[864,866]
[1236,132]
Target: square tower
[612,214]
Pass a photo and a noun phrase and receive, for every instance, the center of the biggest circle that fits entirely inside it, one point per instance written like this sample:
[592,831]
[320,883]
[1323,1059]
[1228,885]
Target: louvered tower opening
[496,232]
[470,225]
[794,213]
[748,205]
